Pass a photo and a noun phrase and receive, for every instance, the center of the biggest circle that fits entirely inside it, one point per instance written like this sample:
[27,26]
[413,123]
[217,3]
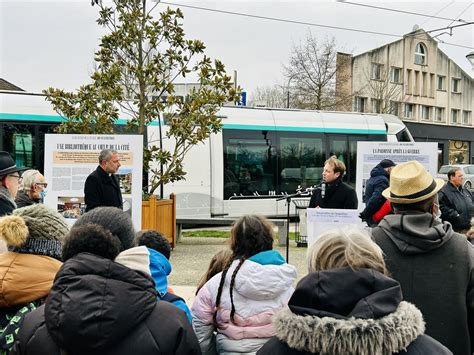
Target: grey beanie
[35,229]
[113,219]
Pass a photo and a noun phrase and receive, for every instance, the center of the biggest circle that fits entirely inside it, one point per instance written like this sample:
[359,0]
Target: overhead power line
[438,12]
[401,11]
[280,19]
[298,22]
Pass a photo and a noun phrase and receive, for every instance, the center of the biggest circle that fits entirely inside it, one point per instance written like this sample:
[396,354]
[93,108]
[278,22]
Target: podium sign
[320,220]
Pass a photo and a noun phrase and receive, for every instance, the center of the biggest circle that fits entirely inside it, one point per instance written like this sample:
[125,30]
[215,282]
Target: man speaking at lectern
[334,193]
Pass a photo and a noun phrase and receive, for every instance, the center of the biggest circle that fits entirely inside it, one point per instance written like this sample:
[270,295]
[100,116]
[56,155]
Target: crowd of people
[99,287]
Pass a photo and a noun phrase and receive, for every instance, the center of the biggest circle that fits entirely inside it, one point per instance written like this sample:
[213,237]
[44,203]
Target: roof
[5,85]
[414,33]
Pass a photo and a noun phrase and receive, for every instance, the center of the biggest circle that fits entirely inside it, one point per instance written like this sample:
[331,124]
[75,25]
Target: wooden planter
[160,215]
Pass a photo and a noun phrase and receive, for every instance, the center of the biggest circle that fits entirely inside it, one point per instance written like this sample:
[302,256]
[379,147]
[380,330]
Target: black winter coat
[435,268]
[373,199]
[457,206]
[345,311]
[23,200]
[7,205]
[101,190]
[97,306]
[337,195]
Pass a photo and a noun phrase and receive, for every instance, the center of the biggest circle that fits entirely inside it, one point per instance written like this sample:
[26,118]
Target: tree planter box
[160,215]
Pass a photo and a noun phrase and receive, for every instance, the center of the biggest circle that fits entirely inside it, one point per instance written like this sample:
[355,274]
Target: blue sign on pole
[243,99]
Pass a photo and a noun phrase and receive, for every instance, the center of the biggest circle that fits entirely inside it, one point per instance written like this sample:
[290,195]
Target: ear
[337,174]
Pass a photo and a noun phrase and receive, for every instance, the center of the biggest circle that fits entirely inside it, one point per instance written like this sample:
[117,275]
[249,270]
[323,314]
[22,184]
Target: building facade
[414,80]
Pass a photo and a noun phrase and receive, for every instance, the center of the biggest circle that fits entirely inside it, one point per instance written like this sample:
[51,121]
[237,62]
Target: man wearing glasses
[10,180]
[32,189]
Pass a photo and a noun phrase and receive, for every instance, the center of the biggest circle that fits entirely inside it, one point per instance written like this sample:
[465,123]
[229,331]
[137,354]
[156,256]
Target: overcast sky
[51,43]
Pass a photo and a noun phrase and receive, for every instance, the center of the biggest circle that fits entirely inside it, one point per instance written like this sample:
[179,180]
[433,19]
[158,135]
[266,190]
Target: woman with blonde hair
[232,312]
[348,305]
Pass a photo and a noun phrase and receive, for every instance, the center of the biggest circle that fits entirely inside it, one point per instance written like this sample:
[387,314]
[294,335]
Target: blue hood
[160,268]
[269,257]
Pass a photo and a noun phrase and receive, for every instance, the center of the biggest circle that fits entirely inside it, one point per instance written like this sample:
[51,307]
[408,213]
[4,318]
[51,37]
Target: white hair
[30,177]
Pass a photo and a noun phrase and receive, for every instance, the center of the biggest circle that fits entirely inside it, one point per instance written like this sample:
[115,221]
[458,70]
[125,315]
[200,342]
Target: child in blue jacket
[160,267]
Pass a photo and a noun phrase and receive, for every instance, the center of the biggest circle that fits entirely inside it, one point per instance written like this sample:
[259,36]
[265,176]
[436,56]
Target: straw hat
[411,183]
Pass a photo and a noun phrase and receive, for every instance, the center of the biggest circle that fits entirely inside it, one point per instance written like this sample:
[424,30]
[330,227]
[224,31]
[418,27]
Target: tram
[260,155]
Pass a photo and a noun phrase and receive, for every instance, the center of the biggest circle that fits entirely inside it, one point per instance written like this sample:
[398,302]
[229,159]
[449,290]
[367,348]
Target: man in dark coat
[334,193]
[456,202]
[10,180]
[378,182]
[102,187]
[434,264]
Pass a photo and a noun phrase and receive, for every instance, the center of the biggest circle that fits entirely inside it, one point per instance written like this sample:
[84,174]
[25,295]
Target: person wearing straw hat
[10,180]
[433,264]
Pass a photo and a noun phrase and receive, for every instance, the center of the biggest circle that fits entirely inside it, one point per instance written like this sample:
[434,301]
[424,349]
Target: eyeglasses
[44,184]
[18,177]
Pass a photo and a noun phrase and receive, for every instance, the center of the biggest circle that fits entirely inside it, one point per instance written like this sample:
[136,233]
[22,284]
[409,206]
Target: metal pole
[288,201]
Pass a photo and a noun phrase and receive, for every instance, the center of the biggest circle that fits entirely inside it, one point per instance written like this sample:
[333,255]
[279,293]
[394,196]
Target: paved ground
[191,256]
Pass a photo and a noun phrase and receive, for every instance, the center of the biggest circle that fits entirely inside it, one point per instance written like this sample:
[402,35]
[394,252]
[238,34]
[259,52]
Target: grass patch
[206,234]
[217,234]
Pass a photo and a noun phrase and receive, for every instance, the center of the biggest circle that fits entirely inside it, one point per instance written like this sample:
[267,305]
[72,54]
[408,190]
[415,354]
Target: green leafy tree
[136,64]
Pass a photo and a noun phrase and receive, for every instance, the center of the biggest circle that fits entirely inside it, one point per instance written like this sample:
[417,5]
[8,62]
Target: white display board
[70,158]
[369,154]
[320,220]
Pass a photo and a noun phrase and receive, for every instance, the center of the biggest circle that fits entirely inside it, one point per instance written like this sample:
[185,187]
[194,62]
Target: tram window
[249,165]
[403,136]
[345,149]
[302,161]
[19,141]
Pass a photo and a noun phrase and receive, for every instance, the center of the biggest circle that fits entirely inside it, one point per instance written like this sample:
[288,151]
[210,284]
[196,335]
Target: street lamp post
[288,90]
[470,58]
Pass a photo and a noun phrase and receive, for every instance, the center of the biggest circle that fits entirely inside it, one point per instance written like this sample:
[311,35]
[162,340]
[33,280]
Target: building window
[455,85]
[376,71]
[441,83]
[425,113]
[416,90]
[376,106]
[394,108]
[440,114]
[458,152]
[409,86]
[360,104]
[424,85]
[409,110]
[466,117]
[420,54]
[396,75]
[432,85]
[454,116]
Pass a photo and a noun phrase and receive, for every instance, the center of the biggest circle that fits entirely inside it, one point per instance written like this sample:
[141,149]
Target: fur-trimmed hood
[328,335]
[346,311]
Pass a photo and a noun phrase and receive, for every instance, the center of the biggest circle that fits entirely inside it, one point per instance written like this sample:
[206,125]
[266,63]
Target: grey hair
[29,178]
[345,247]
[113,219]
[106,154]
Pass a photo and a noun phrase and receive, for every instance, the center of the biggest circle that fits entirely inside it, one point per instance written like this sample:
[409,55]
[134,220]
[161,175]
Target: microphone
[323,189]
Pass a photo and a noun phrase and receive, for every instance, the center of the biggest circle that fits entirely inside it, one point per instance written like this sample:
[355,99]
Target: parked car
[468,170]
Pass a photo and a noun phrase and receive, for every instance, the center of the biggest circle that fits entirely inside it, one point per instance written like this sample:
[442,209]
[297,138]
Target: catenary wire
[298,22]
[402,11]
